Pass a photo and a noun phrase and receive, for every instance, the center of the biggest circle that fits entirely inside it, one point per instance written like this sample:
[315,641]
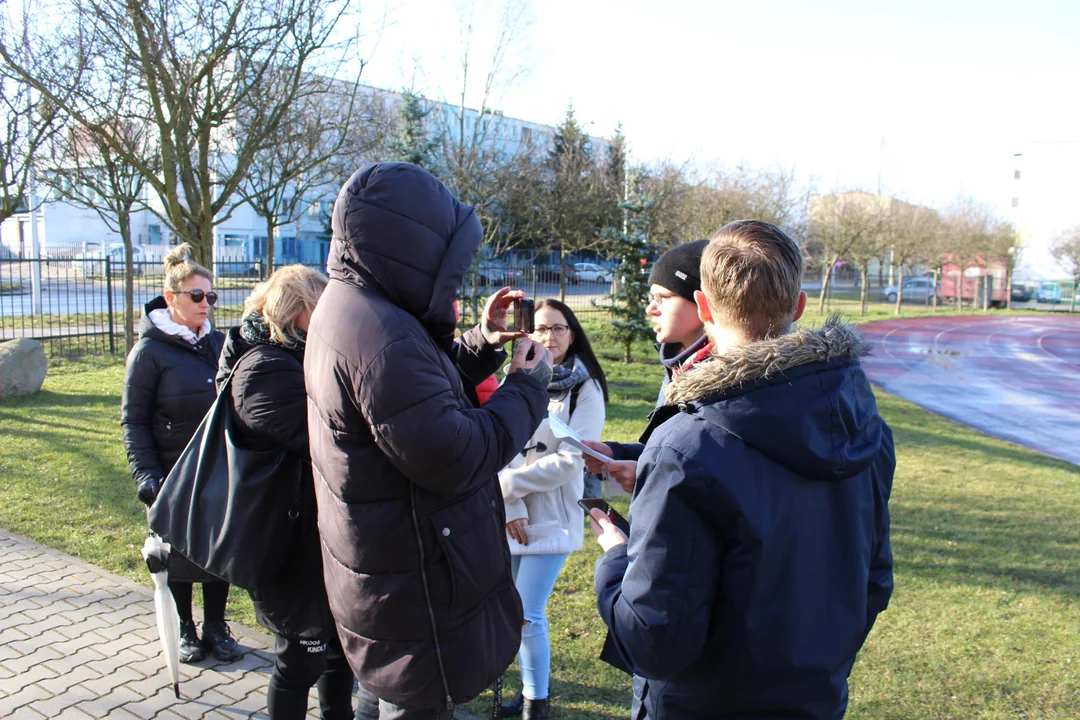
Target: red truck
[973,282]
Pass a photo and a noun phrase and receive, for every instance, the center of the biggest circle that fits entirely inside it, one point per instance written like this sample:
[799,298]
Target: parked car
[550,274]
[494,274]
[591,272]
[92,263]
[916,289]
[1022,292]
[1049,292]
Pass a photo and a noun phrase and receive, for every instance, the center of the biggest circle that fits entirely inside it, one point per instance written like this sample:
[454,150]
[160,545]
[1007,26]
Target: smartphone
[616,519]
[524,310]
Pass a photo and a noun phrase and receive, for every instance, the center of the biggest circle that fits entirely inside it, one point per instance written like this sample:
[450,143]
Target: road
[1015,378]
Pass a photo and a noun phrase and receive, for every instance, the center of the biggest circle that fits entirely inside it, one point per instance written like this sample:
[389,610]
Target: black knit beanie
[679,269]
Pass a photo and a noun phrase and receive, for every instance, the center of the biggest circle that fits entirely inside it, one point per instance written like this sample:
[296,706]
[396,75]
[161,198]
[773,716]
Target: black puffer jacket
[269,405]
[168,387]
[410,511]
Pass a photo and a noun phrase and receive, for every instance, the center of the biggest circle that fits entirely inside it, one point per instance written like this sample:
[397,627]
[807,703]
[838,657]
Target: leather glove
[148,491]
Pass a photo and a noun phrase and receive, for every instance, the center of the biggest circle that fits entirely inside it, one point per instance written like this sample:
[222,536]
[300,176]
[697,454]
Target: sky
[933,100]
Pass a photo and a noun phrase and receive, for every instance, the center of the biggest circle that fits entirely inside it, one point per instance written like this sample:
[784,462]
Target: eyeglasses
[555,330]
[658,300]
[198,295]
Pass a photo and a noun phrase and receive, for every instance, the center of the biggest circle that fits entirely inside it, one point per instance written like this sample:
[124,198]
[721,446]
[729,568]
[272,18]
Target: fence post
[108,295]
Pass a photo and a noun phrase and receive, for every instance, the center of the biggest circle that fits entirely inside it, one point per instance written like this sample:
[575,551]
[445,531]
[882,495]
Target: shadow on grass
[919,438]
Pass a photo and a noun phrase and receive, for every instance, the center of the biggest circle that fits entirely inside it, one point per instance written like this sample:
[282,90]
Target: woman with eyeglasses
[541,487]
[168,387]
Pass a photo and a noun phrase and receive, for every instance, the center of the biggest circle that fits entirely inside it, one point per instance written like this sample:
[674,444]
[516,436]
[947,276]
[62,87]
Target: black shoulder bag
[231,510]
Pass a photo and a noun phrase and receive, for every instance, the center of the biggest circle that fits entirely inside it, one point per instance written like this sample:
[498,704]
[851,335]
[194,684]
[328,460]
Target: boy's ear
[704,312]
[800,306]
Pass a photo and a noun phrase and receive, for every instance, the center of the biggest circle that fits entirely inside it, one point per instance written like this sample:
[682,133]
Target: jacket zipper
[427,596]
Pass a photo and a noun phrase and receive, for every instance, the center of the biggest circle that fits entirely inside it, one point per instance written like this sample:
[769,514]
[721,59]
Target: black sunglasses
[198,295]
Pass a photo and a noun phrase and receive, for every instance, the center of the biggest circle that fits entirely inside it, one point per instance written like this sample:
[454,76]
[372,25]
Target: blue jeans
[535,576]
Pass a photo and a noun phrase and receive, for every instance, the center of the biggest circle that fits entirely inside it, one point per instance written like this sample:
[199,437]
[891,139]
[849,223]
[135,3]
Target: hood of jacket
[148,329]
[801,399]
[399,232]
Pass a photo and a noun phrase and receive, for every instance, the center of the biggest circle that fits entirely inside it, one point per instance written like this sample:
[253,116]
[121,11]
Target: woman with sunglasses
[541,487]
[168,387]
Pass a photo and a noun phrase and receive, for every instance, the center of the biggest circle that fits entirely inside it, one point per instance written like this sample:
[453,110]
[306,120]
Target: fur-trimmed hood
[835,340]
[801,398]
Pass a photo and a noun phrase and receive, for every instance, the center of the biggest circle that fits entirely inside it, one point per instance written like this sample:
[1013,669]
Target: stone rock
[22,367]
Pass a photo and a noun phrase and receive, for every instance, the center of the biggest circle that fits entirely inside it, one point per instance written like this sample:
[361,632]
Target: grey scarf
[565,377]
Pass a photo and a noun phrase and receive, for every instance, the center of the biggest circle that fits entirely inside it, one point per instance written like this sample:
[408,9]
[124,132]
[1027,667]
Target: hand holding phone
[588,504]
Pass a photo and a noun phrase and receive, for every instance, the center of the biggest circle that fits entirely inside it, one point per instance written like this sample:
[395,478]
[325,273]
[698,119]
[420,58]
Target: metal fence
[1026,294]
[76,306]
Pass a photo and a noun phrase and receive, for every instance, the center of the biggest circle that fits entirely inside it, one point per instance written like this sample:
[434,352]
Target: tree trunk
[933,307]
[124,219]
[825,284]
[986,289]
[202,241]
[1076,289]
[626,351]
[562,275]
[270,226]
[1008,288]
[862,270]
[899,291]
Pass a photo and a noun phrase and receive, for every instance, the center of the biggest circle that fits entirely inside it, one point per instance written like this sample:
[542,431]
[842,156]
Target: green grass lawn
[984,622]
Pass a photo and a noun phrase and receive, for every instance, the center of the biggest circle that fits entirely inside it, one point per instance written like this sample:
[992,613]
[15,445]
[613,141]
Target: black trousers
[301,664]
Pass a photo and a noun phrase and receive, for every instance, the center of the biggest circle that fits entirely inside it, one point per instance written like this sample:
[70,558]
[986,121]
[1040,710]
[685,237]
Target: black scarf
[254,329]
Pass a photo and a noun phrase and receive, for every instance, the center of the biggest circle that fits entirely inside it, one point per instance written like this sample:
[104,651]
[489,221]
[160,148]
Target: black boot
[512,708]
[190,648]
[219,640]
[535,709]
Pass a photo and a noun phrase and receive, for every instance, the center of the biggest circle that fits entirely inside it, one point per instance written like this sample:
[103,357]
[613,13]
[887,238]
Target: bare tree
[86,171]
[282,174]
[694,205]
[217,79]
[866,248]
[487,161]
[912,232]
[838,223]
[1066,250]
[28,120]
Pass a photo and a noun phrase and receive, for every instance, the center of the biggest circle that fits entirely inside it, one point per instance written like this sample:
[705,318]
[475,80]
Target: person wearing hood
[759,555]
[265,358]
[680,341]
[405,461]
[168,388]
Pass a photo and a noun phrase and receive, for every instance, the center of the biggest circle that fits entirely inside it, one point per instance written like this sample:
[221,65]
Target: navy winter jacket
[759,551]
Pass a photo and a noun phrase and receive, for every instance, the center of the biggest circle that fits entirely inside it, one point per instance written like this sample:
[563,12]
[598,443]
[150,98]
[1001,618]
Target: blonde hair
[180,265]
[751,272]
[283,297]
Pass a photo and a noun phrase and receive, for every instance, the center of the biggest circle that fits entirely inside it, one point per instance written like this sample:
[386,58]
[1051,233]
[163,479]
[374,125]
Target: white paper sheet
[547,538]
[564,432]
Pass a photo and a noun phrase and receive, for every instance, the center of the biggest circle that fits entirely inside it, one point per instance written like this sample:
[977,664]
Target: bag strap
[573,399]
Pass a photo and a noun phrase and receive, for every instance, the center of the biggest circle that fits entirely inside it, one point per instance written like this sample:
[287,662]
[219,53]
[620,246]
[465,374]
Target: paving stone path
[78,642]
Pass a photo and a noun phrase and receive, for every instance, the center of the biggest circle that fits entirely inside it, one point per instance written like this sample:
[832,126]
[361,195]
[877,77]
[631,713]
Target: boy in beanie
[680,337]
[758,556]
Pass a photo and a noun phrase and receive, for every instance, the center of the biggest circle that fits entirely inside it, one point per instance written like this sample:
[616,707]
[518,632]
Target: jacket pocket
[470,533]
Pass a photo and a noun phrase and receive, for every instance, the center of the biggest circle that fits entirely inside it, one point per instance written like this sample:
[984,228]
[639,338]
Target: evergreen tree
[632,249]
[573,208]
[413,144]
